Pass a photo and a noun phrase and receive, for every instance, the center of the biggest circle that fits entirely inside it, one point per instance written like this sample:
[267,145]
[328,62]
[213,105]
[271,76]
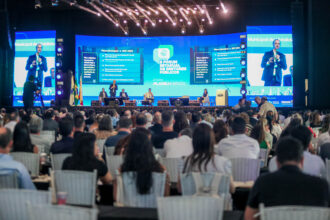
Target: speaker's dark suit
[268,73]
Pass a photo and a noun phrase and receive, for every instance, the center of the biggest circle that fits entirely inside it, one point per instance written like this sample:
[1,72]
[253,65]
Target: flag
[71,101]
[75,92]
[80,91]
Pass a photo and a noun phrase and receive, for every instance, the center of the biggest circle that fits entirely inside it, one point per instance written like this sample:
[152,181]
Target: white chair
[189,208]
[100,144]
[207,184]
[160,152]
[245,169]
[128,195]
[13,202]
[113,163]
[51,212]
[263,156]
[80,186]
[9,180]
[29,160]
[109,151]
[294,213]
[57,160]
[172,167]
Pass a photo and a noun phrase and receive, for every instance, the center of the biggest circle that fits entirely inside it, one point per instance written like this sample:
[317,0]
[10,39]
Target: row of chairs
[36,205]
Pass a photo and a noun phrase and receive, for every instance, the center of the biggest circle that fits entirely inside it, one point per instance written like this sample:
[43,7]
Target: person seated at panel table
[103,94]
[205,97]
[149,96]
[123,95]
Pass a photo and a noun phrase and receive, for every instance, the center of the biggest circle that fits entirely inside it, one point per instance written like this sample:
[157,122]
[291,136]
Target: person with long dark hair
[203,158]
[21,139]
[85,157]
[220,130]
[105,128]
[139,158]
[181,121]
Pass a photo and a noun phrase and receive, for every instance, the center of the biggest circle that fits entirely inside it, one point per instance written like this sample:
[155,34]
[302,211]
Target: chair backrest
[189,184]
[160,152]
[80,186]
[263,156]
[29,160]
[294,212]
[109,151]
[172,167]
[127,193]
[57,160]
[113,163]
[189,208]
[245,169]
[52,212]
[9,180]
[13,202]
[100,144]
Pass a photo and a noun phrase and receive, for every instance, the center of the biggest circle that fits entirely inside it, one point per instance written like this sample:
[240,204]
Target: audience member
[261,133]
[105,128]
[196,118]
[49,122]
[167,132]
[65,145]
[13,119]
[121,146]
[157,123]
[220,130]
[125,127]
[239,144]
[95,124]
[141,120]
[21,139]
[180,146]
[78,124]
[313,164]
[41,141]
[139,158]
[8,165]
[248,126]
[288,185]
[265,107]
[203,158]
[181,121]
[315,120]
[85,157]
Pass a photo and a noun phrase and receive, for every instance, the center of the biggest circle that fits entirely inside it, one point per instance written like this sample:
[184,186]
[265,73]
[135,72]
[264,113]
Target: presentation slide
[270,64]
[26,63]
[169,66]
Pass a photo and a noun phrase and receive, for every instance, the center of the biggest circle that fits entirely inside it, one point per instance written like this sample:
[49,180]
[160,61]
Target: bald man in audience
[8,165]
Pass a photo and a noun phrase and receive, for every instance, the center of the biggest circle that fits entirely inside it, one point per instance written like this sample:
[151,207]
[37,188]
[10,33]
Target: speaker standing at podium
[113,89]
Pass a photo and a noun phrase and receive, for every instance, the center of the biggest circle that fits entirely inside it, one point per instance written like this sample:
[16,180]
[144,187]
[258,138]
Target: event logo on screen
[163,52]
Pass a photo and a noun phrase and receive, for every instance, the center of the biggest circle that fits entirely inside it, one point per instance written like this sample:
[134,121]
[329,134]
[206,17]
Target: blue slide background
[25,46]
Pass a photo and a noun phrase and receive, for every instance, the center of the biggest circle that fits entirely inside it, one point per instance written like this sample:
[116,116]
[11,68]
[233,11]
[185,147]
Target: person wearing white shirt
[313,164]
[180,146]
[323,138]
[239,144]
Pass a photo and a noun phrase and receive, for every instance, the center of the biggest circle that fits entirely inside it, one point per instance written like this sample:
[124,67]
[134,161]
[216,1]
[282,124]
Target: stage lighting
[210,22]
[37,4]
[183,29]
[58,76]
[58,64]
[59,92]
[166,20]
[181,20]
[223,8]
[160,20]
[201,29]
[243,46]
[243,91]
[243,73]
[189,23]
[107,11]
[243,62]
[174,24]
[59,49]
[138,24]
[125,22]
[99,14]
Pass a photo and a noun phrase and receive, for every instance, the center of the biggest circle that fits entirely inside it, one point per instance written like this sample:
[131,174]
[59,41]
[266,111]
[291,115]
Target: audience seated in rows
[13,119]
[238,144]
[157,127]
[124,129]
[36,124]
[105,129]
[261,133]
[49,122]
[288,185]
[8,165]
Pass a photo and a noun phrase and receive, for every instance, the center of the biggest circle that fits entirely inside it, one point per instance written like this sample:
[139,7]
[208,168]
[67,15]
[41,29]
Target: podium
[221,98]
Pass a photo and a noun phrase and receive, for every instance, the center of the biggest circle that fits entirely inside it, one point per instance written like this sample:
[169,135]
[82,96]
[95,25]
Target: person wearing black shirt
[85,158]
[167,133]
[157,127]
[113,89]
[28,92]
[66,144]
[289,185]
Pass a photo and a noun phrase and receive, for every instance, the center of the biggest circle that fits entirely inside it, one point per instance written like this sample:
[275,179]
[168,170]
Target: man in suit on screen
[273,62]
[36,65]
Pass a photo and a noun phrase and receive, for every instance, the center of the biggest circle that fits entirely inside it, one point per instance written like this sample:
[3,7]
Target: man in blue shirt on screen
[36,65]
[273,62]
